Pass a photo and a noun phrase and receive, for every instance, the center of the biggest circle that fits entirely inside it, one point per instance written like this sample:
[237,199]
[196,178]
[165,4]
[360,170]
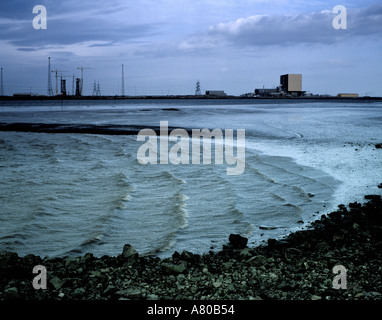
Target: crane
[82,78]
[56,72]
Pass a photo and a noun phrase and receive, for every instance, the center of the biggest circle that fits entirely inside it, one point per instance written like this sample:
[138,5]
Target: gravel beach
[297,267]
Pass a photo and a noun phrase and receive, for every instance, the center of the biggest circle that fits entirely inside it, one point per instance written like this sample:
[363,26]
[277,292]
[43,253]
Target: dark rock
[10,266]
[189,256]
[380,185]
[373,197]
[130,293]
[88,257]
[354,205]
[72,263]
[272,242]
[378,146]
[79,292]
[246,253]
[56,283]
[175,269]
[31,260]
[11,293]
[297,267]
[129,254]
[176,255]
[267,228]
[237,241]
[257,261]
[110,290]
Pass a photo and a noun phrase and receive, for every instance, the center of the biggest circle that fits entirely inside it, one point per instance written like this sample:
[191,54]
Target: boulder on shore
[237,241]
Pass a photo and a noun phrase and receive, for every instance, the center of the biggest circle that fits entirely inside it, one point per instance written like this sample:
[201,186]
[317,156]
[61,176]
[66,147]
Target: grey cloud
[108,44]
[67,26]
[16,9]
[71,32]
[27,49]
[291,29]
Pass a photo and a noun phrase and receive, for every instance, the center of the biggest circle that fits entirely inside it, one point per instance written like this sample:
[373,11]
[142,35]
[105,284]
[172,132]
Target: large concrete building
[291,83]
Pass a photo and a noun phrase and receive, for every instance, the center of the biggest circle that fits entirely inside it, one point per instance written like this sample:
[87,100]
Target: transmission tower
[94,89]
[123,82]
[2,84]
[50,91]
[198,92]
[98,90]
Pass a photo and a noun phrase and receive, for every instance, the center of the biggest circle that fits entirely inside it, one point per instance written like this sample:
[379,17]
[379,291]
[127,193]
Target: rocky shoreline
[297,267]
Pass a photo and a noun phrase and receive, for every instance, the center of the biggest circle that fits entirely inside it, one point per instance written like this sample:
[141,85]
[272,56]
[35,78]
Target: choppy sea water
[72,193]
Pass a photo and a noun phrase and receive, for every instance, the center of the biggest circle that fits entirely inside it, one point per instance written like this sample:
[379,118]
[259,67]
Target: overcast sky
[167,45]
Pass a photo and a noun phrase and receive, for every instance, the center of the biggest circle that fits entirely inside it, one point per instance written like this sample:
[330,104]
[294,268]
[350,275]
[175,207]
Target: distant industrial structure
[276,92]
[123,82]
[56,75]
[216,93]
[290,86]
[78,87]
[50,90]
[96,89]
[63,87]
[1,84]
[82,80]
[348,95]
[198,91]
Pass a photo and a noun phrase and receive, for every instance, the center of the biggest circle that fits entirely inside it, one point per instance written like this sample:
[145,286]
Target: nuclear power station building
[291,84]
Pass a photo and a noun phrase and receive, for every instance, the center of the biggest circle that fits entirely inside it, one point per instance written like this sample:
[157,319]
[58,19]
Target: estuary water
[68,193]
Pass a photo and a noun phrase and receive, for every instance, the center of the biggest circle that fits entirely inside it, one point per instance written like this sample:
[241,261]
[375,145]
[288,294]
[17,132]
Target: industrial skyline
[165,48]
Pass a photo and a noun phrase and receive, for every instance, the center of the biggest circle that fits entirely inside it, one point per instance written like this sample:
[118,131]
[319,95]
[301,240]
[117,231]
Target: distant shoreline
[180,97]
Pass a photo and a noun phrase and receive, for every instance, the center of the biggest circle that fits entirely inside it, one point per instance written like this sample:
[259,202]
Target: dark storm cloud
[66,25]
[16,9]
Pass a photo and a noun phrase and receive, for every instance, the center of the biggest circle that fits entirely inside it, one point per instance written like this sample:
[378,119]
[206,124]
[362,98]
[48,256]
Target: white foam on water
[357,168]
